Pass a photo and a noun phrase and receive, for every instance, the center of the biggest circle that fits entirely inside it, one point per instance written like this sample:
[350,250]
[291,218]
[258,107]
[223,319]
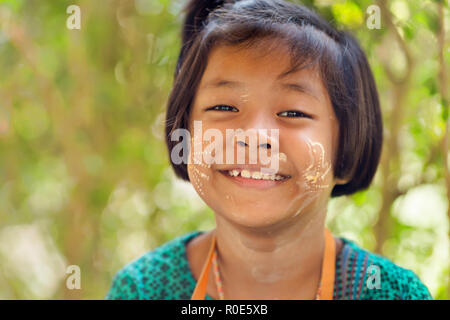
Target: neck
[282,261]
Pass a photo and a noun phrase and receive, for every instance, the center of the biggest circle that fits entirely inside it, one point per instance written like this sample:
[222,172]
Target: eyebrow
[224,83]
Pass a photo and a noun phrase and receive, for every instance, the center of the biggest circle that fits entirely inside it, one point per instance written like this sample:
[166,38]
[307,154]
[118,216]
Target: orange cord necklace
[326,284]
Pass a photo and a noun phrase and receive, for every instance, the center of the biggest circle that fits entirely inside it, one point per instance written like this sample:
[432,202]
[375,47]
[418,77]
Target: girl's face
[241,89]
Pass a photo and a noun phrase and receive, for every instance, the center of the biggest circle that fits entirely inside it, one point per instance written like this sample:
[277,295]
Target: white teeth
[257,175]
[266,176]
[245,174]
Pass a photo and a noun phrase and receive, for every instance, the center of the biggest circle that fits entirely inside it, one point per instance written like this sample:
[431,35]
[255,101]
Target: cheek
[313,178]
[312,158]
[317,175]
[200,173]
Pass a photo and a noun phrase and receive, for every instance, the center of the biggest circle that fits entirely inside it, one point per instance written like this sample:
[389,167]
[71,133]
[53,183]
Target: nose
[257,146]
[242,143]
[259,124]
[252,139]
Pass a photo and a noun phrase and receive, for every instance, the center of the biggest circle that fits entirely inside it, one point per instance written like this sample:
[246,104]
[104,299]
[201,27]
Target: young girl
[256,66]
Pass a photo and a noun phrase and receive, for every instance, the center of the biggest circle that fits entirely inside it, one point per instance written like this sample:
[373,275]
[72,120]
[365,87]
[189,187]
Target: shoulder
[378,278]
[162,273]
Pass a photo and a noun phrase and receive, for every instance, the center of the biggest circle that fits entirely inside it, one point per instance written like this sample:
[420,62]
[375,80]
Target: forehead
[237,59]
[265,65]
[267,58]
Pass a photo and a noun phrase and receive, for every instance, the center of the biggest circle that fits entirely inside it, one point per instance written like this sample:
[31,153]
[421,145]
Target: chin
[256,218]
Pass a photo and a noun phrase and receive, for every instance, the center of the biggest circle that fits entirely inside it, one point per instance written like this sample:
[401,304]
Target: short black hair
[311,40]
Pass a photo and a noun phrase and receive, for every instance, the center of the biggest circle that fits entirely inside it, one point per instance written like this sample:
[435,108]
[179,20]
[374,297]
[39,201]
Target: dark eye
[223,107]
[293,114]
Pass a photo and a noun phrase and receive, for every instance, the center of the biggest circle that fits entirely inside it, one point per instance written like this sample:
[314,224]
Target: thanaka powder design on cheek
[313,179]
[199,170]
[315,174]
[245,96]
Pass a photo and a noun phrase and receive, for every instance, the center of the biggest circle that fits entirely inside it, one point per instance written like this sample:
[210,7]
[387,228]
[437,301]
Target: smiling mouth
[258,179]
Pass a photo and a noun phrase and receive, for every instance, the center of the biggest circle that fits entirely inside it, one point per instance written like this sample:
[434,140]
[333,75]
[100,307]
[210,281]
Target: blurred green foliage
[84,173]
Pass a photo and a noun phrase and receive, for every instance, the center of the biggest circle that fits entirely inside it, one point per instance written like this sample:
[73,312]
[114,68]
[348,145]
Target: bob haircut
[312,42]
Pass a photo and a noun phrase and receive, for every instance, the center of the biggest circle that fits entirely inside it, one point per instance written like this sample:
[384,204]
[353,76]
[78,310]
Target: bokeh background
[84,173]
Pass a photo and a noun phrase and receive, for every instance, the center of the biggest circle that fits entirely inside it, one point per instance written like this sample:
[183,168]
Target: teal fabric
[164,274]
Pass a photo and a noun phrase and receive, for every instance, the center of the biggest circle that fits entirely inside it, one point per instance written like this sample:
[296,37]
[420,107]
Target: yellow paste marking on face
[316,172]
[197,174]
[314,177]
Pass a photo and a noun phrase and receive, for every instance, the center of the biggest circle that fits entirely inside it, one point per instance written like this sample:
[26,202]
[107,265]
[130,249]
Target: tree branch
[387,15]
[390,159]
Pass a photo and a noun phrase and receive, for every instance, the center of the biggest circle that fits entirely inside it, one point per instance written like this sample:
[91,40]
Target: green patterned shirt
[164,274]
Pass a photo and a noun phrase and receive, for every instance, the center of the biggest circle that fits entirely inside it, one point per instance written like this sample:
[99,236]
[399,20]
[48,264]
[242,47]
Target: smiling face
[242,89]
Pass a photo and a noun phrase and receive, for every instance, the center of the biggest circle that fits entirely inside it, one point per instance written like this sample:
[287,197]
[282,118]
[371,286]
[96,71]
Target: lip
[253,183]
[252,168]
